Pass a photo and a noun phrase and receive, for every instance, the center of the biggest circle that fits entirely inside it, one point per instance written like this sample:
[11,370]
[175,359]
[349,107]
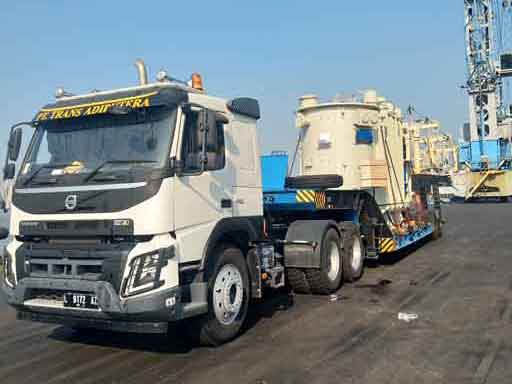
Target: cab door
[203,187]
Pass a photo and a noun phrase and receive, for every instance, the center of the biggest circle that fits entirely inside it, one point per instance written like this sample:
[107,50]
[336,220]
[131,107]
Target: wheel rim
[357,255]
[334,261]
[228,294]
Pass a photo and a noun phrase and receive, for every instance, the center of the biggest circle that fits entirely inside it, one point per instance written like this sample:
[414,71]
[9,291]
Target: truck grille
[77,260]
[70,228]
[89,269]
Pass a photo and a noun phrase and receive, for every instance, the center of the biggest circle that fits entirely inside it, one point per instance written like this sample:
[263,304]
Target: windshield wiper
[46,166]
[99,167]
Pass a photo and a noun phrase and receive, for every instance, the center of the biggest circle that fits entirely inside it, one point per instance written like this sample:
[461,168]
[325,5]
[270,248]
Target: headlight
[145,272]
[9,276]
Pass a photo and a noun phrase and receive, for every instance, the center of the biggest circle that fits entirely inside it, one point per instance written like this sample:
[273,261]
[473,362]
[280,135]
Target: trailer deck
[280,200]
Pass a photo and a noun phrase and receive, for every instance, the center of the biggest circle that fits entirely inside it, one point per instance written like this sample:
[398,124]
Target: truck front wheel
[228,297]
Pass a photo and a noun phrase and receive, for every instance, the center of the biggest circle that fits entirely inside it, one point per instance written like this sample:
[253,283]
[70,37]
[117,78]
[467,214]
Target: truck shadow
[177,340]
[174,342]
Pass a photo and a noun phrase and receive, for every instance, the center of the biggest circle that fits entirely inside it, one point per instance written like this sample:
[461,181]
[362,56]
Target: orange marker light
[197,83]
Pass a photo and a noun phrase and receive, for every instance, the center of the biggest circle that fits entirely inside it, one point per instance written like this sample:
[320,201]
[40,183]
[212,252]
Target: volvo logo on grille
[70,202]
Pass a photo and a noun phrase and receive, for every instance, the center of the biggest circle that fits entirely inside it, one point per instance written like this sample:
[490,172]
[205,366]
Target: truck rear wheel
[297,280]
[328,278]
[228,298]
[353,252]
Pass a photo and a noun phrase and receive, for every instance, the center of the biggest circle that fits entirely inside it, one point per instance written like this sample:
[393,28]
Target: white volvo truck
[136,207]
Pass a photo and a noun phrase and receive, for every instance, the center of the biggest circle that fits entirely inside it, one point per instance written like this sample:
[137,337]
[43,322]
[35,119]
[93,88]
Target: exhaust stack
[141,70]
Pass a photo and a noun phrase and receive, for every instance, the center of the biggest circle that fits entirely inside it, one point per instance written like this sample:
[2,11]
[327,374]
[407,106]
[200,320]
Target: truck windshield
[99,144]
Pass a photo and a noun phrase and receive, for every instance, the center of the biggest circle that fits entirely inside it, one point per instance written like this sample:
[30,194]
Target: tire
[329,277]
[228,298]
[353,252]
[297,280]
[318,181]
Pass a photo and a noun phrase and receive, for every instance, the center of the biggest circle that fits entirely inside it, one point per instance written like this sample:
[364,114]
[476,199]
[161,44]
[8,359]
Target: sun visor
[102,103]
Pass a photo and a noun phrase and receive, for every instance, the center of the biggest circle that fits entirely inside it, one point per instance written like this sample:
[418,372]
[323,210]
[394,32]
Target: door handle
[226,203]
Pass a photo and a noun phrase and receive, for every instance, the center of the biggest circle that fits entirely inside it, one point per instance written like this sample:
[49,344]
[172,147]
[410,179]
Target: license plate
[80,300]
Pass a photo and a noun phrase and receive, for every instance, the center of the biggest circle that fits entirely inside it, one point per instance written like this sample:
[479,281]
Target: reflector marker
[386,245]
[305,196]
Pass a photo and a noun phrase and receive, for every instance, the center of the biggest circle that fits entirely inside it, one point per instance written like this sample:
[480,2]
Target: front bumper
[148,313]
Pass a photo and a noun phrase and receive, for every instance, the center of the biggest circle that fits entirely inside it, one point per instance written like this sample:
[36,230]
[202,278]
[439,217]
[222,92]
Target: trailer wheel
[328,278]
[297,280]
[353,252]
[228,298]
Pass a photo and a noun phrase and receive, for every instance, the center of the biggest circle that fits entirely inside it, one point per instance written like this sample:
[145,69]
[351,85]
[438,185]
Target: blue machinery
[487,150]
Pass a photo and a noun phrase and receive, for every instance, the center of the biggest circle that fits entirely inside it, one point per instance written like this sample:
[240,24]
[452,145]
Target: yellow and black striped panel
[386,245]
[305,196]
[320,200]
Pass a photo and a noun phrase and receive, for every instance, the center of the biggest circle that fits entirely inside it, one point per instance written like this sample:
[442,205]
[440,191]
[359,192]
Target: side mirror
[206,140]
[9,171]
[4,233]
[15,144]
[207,132]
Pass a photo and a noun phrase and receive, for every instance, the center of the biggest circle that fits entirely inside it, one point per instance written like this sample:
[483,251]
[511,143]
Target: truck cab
[122,200]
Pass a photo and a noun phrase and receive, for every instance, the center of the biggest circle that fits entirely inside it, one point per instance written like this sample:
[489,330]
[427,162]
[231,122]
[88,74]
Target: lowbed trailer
[285,205]
[146,205]
[311,203]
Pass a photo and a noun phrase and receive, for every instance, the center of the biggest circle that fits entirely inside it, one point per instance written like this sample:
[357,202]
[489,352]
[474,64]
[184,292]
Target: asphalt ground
[460,287]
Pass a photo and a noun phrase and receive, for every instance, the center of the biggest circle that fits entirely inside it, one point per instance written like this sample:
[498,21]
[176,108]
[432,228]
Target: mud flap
[304,242]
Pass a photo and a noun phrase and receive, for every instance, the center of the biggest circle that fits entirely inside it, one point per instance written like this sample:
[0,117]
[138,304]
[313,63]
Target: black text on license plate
[80,300]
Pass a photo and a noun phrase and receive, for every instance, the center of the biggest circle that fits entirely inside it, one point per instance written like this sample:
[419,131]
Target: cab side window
[192,144]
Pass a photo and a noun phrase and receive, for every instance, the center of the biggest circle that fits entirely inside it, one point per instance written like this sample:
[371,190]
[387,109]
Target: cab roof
[156,94]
